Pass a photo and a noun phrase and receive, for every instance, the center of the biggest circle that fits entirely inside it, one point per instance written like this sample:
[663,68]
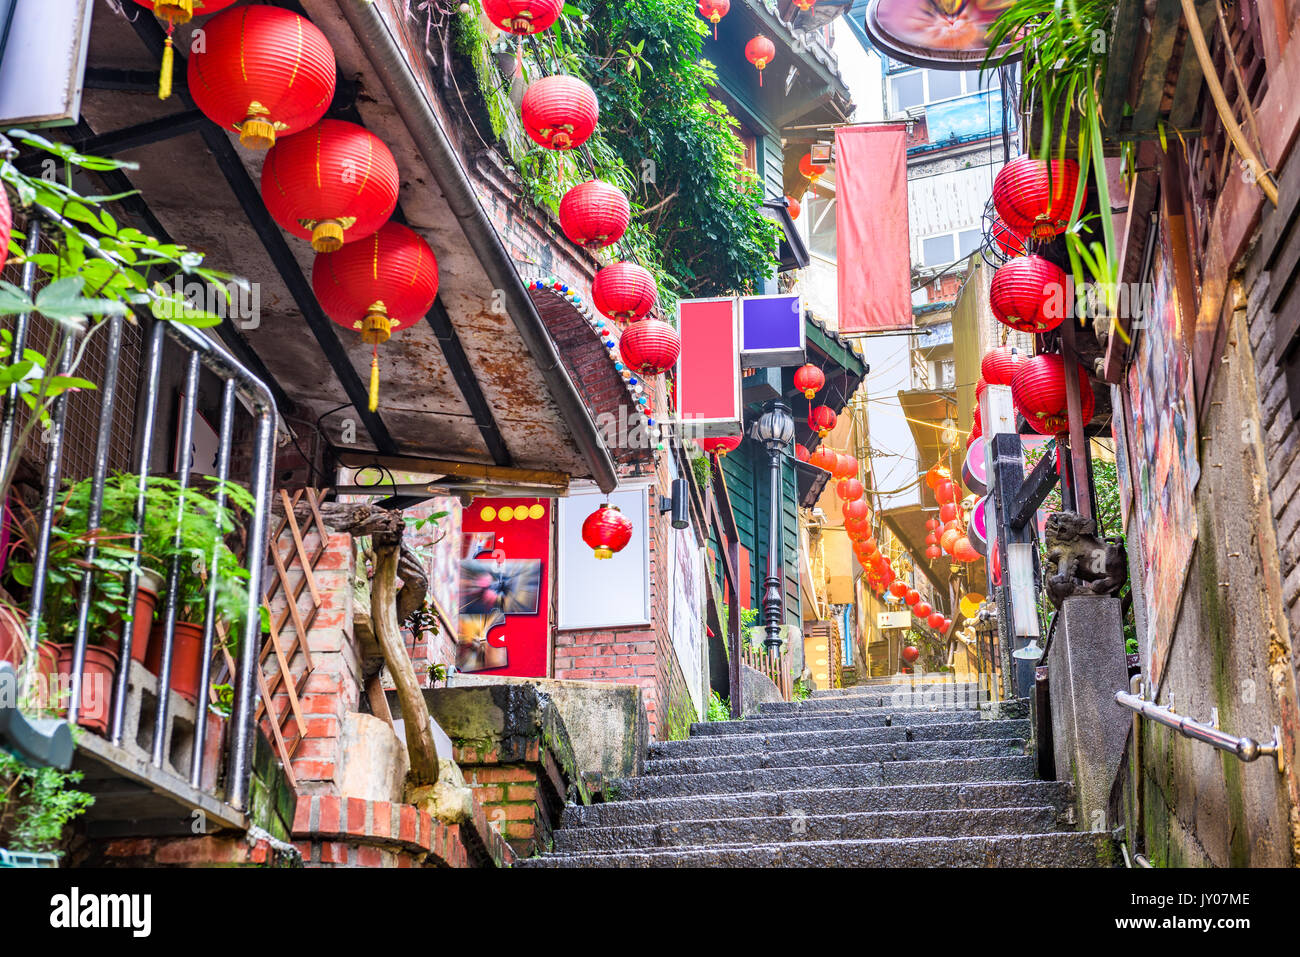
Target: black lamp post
[775,429]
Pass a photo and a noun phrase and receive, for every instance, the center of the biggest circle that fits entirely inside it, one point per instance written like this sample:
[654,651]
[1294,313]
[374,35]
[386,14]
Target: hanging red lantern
[559,112]
[801,452]
[1038,392]
[922,609]
[821,419]
[932,552]
[721,444]
[911,653]
[333,184]
[377,285]
[1029,294]
[6,226]
[1034,197]
[607,530]
[931,523]
[858,508]
[846,466]
[713,11]
[948,540]
[792,207]
[976,431]
[998,367]
[948,511]
[823,458]
[850,490]
[870,545]
[808,379]
[811,171]
[1009,241]
[594,214]
[898,589]
[263,72]
[650,347]
[936,474]
[624,291]
[980,386]
[935,621]
[760,51]
[932,538]
[174,13]
[964,551]
[911,597]
[523,17]
[857,528]
[805,5]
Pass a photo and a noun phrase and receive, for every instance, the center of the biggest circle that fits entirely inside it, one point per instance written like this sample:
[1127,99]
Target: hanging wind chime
[376,286]
[760,51]
[175,13]
[263,72]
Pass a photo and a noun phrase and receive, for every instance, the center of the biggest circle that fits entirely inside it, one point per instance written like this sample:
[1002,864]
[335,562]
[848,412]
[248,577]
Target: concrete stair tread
[888,751]
[722,744]
[1052,849]
[825,722]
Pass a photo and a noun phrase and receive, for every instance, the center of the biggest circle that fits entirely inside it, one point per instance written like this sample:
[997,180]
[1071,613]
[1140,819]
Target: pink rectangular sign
[708,369]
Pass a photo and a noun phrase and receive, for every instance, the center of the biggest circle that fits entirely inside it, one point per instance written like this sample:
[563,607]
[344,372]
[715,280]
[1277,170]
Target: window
[821,221]
[937,250]
[969,241]
[946,373]
[919,87]
[907,90]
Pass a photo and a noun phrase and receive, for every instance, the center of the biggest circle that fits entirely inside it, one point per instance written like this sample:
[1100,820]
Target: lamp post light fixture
[775,430]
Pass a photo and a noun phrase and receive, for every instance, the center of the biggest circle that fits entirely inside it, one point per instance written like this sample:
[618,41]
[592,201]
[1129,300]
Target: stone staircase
[879,775]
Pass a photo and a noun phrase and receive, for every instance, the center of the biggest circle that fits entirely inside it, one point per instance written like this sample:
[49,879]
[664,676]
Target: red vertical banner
[872,243]
[505,596]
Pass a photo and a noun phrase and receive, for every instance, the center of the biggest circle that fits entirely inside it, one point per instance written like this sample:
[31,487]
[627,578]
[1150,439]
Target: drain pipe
[411,103]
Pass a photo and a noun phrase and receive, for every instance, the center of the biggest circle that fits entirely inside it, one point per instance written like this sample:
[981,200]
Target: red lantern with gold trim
[559,112]
[1038,392]
[911,597]
[760,51]
[721,444]
[523,17]
[932,552]
[713,11]
[850,490]
[594,214]
[376,286]
[821,419]
[1009,241]
[911,653]
[792,207]
[607,531]
[1028,294]
[823,458]
[1035,197]
[808,379]
[935,621]
[811,171]
[174,13]
[263,72]
[333,184]
[898,589]
[624,291]
[948,540]
[801,452]
[650,347]
[846,466]
[964,551]
[922,609]
[948,511]
[858,508]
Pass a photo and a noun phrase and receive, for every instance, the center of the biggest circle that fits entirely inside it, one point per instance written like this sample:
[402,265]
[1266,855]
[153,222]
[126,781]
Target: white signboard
[43,62]
[894,619]
[688,614]
[602,593]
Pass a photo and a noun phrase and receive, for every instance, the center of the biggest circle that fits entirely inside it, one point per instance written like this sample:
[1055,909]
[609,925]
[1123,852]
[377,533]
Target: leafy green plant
[702,467]
[800,691]
[719,708]
[36,804]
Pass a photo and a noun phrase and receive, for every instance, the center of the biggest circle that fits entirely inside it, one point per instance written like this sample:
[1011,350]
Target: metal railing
[238,383]
[1248,749]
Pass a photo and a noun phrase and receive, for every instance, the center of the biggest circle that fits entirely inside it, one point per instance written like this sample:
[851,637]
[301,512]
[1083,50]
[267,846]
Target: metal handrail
[1248,749]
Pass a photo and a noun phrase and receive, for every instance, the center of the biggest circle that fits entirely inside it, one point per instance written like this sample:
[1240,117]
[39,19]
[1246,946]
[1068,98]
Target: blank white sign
[44,61]
[602,593]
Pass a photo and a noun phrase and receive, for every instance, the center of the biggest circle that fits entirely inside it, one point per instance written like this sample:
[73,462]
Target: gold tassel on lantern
[375,328]
[168,63]
[374,380]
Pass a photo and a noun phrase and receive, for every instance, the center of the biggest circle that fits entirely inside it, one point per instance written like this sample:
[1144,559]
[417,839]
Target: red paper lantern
[998,367]
[976,431]
[650,347]
[964,551]
[180,11]
[607,530]
[624,291]
[898,589]
[1009,241]
[936,474]
[857,528]
[858,508]
[910,654]
[262,72]
[846,466]
[760,51]
[6,226]
[792,207]
[1038,392]
[1034,197]
[808,379]
[721,444]
[922,609]
[932,538]
[948,540]
[911,597]
[931,523]
[811,171]
[333,184]
[945,491]
[801,452]
[823,458]
[594,214]
[948,511]
[870,545]
[850,490]
[559,112]
[523,17]
[1028,294]
[932,552]
[935,621]
[821,419]
[377,285]
[713,11]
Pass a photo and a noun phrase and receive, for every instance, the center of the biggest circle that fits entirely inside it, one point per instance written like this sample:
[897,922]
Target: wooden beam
[1188,87]
[1164,31]
[1123,42]
[467,470]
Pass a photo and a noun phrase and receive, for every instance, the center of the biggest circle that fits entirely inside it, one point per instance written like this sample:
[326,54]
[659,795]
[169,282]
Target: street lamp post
[775,430]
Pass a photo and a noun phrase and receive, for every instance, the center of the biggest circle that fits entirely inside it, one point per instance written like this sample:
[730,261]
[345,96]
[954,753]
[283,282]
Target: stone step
[726,744]
[834,721]
[947,700]
[1008,850]
[817,801]
[853,754]
[831,776]
[889,689]
[797,826]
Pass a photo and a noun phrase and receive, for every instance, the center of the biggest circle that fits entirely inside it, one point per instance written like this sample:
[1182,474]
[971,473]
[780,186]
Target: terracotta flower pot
[187,649]
[97,676]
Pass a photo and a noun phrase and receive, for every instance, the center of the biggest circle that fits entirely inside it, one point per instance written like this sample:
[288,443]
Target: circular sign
[940,34]
[974,471]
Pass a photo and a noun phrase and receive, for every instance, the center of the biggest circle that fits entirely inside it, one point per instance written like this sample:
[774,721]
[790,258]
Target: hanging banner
[771,331]
[872,245]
